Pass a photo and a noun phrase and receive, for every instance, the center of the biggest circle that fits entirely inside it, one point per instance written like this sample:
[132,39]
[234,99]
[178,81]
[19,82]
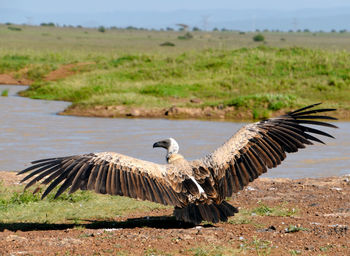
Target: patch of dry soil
[320,227]
[10,79]
[62,72]
[67,70]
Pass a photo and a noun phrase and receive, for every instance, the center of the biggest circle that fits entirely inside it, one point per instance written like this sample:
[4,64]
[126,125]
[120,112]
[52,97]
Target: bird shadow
[161,222]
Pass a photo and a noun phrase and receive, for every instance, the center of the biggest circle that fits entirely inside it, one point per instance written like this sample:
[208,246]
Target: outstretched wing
[257,147]
[114,174]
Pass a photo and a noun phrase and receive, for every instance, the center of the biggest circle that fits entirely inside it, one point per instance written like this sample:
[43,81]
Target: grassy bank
[19,206]
[131,69]
[23,206]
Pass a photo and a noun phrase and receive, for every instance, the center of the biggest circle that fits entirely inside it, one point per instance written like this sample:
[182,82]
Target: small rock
[69,241]
[315,223]
[187,237]
[337,189]
[309,248]
[11,238]
[249,188]
[337,229]
[269,229]
[171,111]
[221,106]
[272,227]
[111,229]
[134,113]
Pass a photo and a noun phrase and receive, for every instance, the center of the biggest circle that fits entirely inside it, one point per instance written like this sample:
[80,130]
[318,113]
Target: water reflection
[30,129]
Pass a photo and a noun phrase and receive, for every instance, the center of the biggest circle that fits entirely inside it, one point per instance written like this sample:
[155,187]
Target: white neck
[173,148]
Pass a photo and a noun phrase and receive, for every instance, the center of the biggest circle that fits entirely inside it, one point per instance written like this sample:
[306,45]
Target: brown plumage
[197,189]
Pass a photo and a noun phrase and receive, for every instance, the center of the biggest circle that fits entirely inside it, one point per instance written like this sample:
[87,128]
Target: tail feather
[209,212]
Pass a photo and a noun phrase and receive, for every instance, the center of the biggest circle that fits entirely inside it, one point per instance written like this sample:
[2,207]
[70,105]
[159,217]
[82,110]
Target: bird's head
[169,144]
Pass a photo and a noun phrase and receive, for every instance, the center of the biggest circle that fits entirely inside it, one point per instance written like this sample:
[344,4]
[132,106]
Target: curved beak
[161,144]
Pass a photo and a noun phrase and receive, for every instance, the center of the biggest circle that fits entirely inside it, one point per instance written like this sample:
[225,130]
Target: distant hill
[246,20]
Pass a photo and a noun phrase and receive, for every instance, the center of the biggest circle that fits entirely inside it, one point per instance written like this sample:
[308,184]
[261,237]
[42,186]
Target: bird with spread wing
[197,189]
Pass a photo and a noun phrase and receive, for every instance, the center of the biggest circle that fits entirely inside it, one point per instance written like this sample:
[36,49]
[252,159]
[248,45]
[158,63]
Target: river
[31,129]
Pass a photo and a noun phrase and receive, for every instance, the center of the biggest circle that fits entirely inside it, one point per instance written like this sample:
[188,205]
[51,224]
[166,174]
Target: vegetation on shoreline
[262,79]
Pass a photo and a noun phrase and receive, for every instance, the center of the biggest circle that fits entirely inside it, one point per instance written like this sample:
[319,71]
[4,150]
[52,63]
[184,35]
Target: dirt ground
[62,72]
[320,226]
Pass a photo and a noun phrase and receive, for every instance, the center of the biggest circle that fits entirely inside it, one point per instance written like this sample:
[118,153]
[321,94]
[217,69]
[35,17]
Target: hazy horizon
[205,14]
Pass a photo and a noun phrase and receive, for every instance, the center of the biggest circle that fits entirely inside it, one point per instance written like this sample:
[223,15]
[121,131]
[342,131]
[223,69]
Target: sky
[245,15]
[163,5]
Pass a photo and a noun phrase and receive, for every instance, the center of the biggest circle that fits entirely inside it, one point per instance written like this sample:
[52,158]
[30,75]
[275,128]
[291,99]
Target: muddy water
[30,130]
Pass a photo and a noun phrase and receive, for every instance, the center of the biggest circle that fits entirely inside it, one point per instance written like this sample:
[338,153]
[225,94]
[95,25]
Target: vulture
[197,189]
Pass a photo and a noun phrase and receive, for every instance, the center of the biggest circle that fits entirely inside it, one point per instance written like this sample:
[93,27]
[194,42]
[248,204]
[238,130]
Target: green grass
[257,245]
[18,206]
[212,250]
[294,229]
[221,68]
[279,211]
[294,252]
[251,216]
[242,217]
[262,79]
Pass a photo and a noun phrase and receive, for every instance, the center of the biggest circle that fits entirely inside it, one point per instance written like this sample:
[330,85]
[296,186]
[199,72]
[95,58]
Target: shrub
[186,36]
[259,38]
[37,72]
[50,24]
[167,44]
[101,29]
[14,28]
[122,60]
[131,28]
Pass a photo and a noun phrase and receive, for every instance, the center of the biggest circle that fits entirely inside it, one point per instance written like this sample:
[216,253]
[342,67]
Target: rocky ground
[277,217]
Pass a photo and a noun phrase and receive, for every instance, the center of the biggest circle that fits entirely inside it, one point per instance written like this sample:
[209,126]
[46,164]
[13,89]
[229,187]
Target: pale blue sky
[206,14]
[162,5]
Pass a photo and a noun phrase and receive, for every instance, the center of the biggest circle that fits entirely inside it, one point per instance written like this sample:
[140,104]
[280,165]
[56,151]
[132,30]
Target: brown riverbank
[206,113]
[312,219]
